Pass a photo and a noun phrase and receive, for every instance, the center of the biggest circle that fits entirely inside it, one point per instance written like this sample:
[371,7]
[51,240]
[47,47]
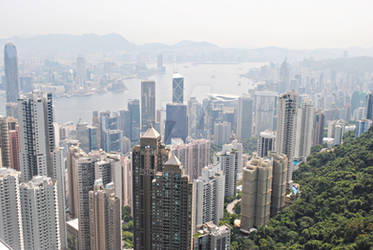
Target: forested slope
[334,210]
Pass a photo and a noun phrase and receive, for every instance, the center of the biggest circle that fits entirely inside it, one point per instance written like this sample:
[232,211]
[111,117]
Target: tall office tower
[172,205]
[265,111]
[126,164]
[11,109]
[318,128]
[104,216]
[11,72]
[209,195]
[279,172]
[82,135]
[245,117]
[13,130]
[286,128]
[195,119]
[177,88]
[126,145]
[176,122]
[85,176]
[194,156]
[284,77]
[39,151]
[211,236]
[92,138]
[81,72]
[5,143]
[96,123]
[39,207]
[303,142]
[147,159]
[229,165]
[10,208]
[266,143]
[222,132]
[256,193]
[147,104]
[134,116]
[113,141]
[362,126]
[369,106]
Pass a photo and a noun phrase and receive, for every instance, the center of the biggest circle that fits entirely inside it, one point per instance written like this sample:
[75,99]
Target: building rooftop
[173,160]
[151,133]
[74,223]
[177,75]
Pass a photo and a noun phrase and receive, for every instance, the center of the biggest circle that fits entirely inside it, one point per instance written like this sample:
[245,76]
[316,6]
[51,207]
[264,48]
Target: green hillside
[335,207]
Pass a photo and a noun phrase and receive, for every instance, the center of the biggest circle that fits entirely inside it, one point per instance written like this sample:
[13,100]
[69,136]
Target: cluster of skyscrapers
[64,186]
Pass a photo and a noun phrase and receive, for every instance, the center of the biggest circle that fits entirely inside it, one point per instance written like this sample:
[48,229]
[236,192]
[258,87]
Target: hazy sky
[234,23]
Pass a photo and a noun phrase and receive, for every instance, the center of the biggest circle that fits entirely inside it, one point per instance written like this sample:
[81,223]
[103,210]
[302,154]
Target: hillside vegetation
[334,210]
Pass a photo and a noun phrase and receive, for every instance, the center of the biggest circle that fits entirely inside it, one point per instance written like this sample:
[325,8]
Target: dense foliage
[334,210]
[127,228]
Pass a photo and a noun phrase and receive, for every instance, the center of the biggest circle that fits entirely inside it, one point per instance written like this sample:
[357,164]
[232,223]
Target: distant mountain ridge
[67,45]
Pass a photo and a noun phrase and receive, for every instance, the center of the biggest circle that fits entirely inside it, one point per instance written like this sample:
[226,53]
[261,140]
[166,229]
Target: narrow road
[231,205]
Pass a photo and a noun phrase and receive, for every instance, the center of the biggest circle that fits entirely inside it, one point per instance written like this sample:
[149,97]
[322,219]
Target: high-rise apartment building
[40,217]
[147,159]
[256,193]
[304,131]
[279,175]
[11,72]
[245,117]
[194,156]
[209,195]
[13,130]
[266,143]
[5,143]
[147,104]
[286,128]
[318,128]
[104,216]
[362,126]
[228,160]
[176,122]
[211,236]
[10,208]
[222,132]
[39,151]
[177,88]
[171,207]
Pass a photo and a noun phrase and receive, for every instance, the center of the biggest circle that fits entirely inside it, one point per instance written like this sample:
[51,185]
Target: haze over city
[240,24]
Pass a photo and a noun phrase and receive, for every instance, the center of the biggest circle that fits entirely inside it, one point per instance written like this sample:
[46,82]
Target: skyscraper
[39,206]
[13,130]
[134,116]
[304,131]
[104,216]
[147,104]
[256,193]
[369,106]
[172,203]
[222,132]
[195,118]
[286,128]
[245,117]
[5,143]
[279,175]
[39,152]
[11,72]
[228,159]
[10,208]
[318,128]
[176,122]
[266,143]
[265,111]
[177,88]
[147,159]
[81,72]
[209,195]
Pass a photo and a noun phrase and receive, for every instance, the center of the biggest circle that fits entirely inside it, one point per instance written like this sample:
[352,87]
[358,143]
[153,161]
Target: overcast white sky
[234,23]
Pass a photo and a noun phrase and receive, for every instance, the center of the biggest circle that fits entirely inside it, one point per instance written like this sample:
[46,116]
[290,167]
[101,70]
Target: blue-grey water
[199,81]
